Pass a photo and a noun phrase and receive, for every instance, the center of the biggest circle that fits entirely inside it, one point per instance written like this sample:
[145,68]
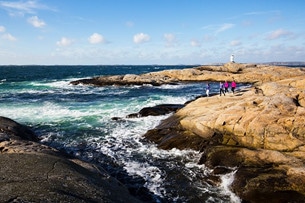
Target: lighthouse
[232,58]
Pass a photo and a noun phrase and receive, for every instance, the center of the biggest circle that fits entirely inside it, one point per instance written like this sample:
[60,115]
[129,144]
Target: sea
[78,120]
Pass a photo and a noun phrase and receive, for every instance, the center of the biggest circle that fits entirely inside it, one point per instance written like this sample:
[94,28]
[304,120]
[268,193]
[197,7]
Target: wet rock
[265,184]
[175,138]
[116,118]
[16,130]
[157,110]
[4,137]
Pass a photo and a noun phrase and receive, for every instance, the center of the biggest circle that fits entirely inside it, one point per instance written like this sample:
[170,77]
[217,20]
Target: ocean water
[77,120]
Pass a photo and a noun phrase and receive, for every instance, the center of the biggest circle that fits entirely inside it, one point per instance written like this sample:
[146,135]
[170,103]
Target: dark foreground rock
[31,172]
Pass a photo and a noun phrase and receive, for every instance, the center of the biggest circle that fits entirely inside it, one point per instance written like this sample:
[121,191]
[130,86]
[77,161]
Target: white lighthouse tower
[232,58]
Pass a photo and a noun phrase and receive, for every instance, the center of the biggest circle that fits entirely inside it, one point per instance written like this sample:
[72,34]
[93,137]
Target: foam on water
[151,174]
[226,181]
[140,158]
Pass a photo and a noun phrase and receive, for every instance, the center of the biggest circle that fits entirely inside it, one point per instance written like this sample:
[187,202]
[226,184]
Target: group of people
[223,88]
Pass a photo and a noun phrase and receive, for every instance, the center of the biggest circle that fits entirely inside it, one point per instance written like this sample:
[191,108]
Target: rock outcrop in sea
[258,132]
[32,172]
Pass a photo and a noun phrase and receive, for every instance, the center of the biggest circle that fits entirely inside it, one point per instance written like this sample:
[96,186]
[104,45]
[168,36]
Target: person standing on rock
[226,87]
[233,86]
[221,89]
[207,90]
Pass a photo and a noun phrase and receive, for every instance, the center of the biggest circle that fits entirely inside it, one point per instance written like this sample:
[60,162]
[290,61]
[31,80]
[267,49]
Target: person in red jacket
[233,86]
[226,84]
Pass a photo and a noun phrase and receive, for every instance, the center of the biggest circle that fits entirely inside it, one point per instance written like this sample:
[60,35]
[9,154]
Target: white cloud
[2,29]
[36,22]
[278,34]
[219,28]
[224,27]
[96,38]
[64,42]
[262,12]
[170,39]
[9,37]
[235,43]
[141,38]
[23,7]
[195,43]
[208,38]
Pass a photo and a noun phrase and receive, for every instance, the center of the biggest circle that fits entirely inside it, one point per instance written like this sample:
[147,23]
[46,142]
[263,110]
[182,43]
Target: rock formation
[32,172]
[259,132]
[241,73]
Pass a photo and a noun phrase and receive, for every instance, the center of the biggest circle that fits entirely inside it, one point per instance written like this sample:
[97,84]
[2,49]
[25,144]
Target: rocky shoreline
[258,132]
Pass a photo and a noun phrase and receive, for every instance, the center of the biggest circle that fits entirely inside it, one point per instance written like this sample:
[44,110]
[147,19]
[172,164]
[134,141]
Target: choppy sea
[77,120]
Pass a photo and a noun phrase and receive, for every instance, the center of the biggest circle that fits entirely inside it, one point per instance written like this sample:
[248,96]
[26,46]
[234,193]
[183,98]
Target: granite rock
[258,131]
[241,73]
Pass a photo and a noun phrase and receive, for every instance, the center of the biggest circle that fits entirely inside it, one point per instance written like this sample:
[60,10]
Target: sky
[144,32]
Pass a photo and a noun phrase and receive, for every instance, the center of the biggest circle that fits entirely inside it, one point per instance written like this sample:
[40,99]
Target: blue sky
[140,32]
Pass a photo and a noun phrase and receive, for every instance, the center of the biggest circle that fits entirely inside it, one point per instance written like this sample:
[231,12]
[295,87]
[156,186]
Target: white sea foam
[169,86]
[151,174]
[2,81]
[226,181]
[126,145]
[45,112]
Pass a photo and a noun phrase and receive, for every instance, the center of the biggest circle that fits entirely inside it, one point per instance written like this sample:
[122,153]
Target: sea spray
[226,181]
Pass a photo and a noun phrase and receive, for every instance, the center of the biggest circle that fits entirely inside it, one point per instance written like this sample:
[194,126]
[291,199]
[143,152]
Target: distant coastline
[292,63]
[287,63]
